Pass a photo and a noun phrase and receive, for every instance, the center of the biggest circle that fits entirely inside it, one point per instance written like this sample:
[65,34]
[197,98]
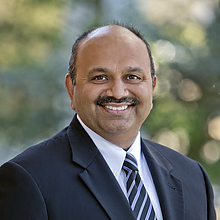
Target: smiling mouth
[114,108]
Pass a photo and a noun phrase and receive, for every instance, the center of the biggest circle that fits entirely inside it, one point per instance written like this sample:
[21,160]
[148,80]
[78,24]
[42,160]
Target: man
[80,173]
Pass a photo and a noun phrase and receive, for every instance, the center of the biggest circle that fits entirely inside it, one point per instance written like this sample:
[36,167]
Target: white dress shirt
[114,157]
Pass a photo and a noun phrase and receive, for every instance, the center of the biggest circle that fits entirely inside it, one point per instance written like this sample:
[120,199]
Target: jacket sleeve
[20,197]
[210,197]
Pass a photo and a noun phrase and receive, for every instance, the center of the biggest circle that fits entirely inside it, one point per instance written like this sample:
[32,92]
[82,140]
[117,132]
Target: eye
[133,78]
[99,78]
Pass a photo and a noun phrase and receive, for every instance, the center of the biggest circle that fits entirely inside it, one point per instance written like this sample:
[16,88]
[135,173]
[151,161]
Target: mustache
[110,99]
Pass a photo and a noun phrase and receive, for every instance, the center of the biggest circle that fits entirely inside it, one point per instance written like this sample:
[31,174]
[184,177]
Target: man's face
[113,88]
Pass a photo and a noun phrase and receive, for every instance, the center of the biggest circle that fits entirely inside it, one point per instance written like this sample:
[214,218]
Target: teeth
[117,108]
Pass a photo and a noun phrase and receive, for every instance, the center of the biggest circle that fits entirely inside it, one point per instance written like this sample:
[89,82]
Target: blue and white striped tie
[138,197]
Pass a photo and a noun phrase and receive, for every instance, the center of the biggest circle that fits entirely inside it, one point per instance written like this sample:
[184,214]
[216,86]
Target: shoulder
[43,153]
[180,164]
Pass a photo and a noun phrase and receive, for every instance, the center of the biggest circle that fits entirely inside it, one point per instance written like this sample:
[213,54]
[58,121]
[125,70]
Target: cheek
[84,97]
[144,94]
[146,99]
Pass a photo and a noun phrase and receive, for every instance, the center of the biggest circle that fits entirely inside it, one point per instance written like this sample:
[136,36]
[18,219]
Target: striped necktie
[138,197]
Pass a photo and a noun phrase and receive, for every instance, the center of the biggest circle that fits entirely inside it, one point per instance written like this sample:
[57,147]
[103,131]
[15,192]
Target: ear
[155,81]
[70,89]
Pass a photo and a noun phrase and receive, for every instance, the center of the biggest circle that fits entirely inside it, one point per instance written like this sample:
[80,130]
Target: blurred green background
[36,37]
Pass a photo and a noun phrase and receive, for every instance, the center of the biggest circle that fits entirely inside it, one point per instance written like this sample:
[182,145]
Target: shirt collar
[135,149]
[113,154]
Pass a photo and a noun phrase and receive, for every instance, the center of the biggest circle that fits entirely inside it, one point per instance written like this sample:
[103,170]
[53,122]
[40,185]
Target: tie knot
[130,162]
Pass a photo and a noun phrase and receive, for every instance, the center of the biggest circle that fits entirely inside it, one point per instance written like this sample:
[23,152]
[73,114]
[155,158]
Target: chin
[117,129]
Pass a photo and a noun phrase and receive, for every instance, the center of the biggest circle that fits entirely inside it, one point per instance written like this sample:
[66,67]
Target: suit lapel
[96,174]
[106,189]
[169,188]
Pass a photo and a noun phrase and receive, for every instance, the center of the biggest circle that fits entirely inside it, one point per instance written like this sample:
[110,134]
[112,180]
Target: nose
[117,89]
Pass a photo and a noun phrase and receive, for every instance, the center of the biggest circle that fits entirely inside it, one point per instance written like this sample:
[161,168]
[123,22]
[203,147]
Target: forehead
[112,45]
[111,35]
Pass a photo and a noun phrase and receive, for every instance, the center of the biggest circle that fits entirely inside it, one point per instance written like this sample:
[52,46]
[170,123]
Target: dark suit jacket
[66,178]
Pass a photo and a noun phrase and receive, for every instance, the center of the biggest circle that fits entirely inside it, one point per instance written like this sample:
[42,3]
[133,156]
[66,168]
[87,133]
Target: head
[111,82]
[72,62]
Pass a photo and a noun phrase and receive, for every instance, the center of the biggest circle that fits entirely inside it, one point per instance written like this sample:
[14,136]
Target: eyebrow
[134,69]
[99,69]
[105,70]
